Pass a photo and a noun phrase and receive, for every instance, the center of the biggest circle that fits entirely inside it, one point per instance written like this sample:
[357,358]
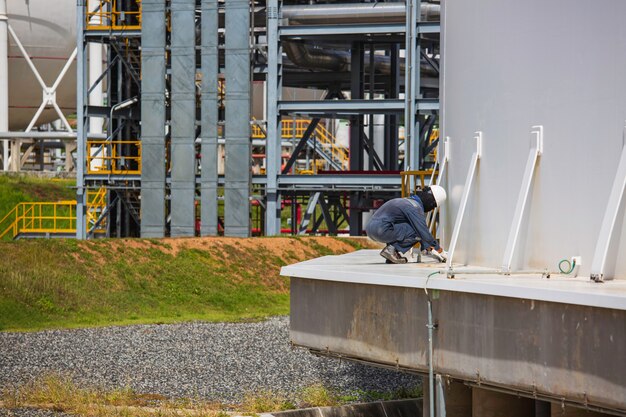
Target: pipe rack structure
[246,113]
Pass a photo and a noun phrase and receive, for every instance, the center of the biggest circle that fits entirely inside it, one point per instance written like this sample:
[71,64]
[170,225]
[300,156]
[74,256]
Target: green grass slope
[69,283]
[16,189]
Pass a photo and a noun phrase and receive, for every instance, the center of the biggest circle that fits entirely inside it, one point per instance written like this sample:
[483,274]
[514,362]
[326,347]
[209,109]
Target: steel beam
[183,104]
[153,118]
[342,107]
[237,128]
[274,127]
[209,117]
[81,125]
[306,31]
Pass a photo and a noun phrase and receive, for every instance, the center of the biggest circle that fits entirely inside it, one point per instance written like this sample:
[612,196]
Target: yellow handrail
[107,16]
[412,181]
[9,223]
[296,128]
[105,157]
[96,204]
[53,217]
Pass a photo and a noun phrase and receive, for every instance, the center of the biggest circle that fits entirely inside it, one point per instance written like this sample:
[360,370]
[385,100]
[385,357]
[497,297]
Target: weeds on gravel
[318,395]
[265,401]
[60,393]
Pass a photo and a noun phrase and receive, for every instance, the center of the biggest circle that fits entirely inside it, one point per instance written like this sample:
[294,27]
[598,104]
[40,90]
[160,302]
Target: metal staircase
[130,199]
[54,219]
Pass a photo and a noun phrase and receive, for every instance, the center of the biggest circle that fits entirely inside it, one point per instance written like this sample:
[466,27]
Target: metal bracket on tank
[478,137]
[442,169]
[610,218]
[533,157]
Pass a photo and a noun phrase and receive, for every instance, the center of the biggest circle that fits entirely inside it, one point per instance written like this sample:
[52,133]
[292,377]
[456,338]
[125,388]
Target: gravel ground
[215,361]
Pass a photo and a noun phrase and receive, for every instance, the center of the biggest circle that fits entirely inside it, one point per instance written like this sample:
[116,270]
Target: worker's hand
[435,254]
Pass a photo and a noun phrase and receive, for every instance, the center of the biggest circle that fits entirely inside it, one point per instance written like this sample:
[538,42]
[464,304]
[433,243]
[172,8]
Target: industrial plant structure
[528,316]
[278,107]
[201,117]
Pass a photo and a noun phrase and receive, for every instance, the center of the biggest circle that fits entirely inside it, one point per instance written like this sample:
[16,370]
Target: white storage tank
[47,29]
[511,65]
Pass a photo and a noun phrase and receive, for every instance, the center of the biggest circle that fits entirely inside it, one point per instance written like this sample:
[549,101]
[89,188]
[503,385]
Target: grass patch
[16,189]
[266,401]
[60,393]
[67,283]
[319,396]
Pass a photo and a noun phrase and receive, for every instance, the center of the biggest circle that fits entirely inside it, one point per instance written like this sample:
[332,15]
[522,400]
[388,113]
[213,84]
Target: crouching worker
[401,222]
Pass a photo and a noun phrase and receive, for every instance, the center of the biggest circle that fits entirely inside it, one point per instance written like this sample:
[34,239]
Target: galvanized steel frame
[209,117]
[237,189]
[153,119]
[183,118]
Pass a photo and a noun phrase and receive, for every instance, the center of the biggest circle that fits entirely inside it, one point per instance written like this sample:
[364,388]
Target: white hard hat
[439,193]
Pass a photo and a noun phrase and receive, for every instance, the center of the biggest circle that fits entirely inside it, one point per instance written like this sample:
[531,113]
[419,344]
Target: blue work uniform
[401,222]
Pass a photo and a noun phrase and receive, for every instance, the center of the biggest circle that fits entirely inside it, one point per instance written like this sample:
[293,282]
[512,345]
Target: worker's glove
[440,256]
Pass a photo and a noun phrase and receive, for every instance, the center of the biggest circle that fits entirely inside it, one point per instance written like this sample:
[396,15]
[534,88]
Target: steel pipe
[355,13]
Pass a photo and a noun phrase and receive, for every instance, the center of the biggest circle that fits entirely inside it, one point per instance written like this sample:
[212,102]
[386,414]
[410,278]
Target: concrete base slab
[557,339]
[399,408]
[487,403]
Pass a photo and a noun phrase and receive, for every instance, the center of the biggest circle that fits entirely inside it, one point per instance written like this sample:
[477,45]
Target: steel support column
[237,128]
[4,81]
[411,129]
[153,118]
[81,125]
[209,117]
[274,127]
[356,134]
[183,105]
[391,121]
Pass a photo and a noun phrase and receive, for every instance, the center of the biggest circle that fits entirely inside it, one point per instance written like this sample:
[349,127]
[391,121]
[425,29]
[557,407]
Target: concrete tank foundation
[557,339]
[487,403]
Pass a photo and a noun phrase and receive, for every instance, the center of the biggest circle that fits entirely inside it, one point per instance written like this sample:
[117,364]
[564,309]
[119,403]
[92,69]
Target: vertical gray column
[209,117]
[81,99]
[183,103]
[273,141]
[153,118]
[237,128]
[411,130]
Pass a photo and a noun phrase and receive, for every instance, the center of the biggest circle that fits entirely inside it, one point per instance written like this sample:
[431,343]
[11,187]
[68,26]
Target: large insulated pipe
[4,81]
[355,13]
[308,57]
[325,58]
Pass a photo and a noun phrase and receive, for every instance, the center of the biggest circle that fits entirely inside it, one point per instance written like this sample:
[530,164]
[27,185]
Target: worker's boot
[392,256]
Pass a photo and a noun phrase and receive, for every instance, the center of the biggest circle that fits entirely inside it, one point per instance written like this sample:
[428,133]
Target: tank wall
[47,29]
[509,65]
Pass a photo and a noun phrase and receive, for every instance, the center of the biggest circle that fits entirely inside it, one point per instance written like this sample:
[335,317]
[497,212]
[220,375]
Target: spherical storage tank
[47,30]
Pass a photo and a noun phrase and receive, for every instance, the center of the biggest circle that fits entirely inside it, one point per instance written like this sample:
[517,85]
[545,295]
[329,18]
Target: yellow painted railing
[96,204]
[106,15]
[296,128]
[105,157]
[412,181]
[53,218]
[56,218]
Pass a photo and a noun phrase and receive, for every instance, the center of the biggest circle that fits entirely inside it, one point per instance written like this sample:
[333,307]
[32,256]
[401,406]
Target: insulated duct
[319,14]
[325,58]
